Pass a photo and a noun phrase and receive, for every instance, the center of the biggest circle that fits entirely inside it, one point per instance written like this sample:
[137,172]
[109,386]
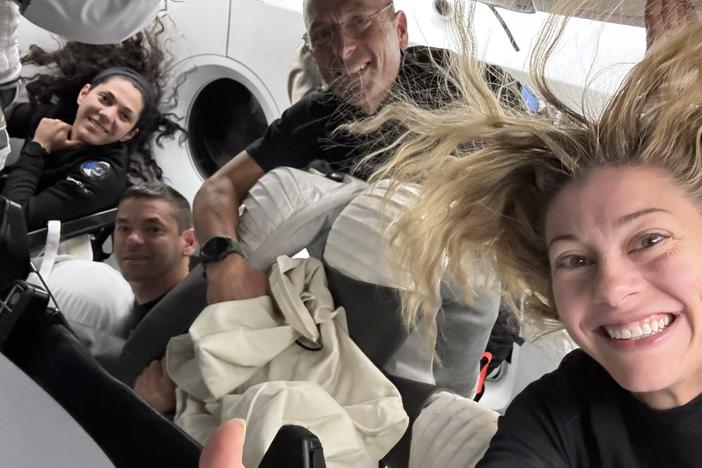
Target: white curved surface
[179,168]
[93,21]
[37,431]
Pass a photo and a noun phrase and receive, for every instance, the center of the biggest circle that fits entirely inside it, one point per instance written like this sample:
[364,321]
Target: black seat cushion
[128,430]
[365,304]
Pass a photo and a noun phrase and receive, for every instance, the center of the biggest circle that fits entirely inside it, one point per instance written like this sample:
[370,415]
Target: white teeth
[639,329]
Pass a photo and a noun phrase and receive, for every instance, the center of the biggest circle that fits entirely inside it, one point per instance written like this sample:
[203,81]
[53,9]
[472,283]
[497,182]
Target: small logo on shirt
[95,169]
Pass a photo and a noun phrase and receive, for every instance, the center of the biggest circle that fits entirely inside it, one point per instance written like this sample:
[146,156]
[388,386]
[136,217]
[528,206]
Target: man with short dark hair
[153,242]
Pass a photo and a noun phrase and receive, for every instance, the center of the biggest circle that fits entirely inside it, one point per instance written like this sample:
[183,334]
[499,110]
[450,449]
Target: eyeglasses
[324,36]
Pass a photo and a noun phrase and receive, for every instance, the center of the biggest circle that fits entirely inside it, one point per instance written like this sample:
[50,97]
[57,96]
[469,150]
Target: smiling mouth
[97,125]
[649,326]
[349,72]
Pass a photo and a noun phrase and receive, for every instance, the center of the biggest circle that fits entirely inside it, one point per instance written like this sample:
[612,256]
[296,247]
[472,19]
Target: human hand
[155,387]
[225,448]
[665,17]
[54,135]
[233,279]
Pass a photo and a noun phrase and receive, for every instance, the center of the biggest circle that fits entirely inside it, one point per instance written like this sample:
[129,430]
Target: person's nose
[134,239]
[107,114]
[343,43]
[617,283]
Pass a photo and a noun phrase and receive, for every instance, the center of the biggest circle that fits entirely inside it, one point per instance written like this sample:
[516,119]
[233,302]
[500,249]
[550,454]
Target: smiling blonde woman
[599,224]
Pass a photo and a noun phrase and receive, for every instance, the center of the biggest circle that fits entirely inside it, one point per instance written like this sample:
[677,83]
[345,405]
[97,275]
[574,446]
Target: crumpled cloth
[241,359]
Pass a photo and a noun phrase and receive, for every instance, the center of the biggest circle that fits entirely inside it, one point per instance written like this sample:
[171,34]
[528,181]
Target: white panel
[592,53]
[201,27]
[264,37]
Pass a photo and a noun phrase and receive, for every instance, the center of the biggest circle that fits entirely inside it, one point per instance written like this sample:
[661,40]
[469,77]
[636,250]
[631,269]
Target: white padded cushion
[93,21]
[357,245]
[96,301]
[288,210]
[451,432]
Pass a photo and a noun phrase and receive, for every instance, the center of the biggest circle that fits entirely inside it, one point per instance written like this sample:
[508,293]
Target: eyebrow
[627,218]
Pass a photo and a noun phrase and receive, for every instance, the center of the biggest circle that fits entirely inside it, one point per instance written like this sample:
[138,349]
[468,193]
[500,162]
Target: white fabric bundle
[241,359]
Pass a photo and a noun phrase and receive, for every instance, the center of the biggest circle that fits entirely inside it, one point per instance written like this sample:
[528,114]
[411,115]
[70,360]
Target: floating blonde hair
[489,172]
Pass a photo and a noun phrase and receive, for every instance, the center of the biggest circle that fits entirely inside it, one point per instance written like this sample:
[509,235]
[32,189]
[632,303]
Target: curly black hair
[68,68]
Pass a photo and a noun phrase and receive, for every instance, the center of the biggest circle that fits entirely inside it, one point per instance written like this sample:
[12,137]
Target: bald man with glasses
[360,47]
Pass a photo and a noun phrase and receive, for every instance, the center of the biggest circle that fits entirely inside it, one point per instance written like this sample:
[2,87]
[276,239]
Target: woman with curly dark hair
[111,96]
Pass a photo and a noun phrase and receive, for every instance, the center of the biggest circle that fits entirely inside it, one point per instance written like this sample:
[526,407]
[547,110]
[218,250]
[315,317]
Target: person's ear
[83,92]
[401,26]
[189,242]
[129,135]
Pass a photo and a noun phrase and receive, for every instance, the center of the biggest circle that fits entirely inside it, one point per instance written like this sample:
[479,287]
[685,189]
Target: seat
[127,430]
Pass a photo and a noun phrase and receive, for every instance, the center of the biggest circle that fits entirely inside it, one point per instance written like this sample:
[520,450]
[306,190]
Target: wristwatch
[218,248]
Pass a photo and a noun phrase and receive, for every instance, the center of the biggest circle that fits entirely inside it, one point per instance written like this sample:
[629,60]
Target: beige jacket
[241,359]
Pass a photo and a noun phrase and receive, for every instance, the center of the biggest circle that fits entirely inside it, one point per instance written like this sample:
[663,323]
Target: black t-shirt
[305,131]
[65,184]
[578,416]
[141,310]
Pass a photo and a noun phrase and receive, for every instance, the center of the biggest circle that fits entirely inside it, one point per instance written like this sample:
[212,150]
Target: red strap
[485,361]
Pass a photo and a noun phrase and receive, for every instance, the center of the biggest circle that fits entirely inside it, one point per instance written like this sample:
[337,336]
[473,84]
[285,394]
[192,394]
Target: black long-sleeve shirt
[579,417]
[65,184]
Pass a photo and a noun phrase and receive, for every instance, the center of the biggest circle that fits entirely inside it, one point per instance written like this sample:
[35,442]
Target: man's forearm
[216,213]
[216,205]
[216,209]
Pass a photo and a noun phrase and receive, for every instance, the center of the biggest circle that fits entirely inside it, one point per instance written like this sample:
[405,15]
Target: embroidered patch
[95,169]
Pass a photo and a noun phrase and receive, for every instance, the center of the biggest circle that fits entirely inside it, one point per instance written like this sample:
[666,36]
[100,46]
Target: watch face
[216,246]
